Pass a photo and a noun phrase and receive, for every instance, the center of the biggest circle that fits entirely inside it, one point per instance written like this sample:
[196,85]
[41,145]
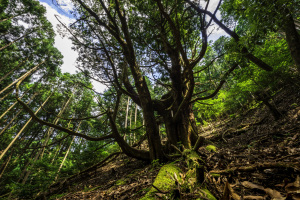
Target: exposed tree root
[259,166]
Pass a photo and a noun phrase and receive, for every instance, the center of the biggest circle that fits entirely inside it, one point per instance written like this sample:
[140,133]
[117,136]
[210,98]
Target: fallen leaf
[228,191]
[159,195]
[293,187]
[250,185]
[274,194]
[253,197]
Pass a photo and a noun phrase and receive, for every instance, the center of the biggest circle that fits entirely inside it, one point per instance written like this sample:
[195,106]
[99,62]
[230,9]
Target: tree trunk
[50,129]
[135,117]
[1,48]
[66,155]
[3,167]
[13,119]
[19,133]
[130,134]
[183,131]
[63,161]
[6,95]
[11,71]
[3,114]
[293,40]
[126,118]
[22,77]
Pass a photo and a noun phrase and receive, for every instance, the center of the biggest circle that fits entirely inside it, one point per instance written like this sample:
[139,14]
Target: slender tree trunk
[13,119]
[33,162]
[15,41]
[66,155]
[59,146]
[50,129]
[22,77]
[3,167]
[130,134]
[6,95]
[19,133]
[11,71]
[126,117]
[56,152]
[3,114]
[33,153]
[135,117]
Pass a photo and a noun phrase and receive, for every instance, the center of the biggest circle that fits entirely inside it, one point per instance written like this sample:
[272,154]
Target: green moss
[211,148]
[164,181]
[207,194]
[215,175]
[120,182]
[57,196]
[95,188]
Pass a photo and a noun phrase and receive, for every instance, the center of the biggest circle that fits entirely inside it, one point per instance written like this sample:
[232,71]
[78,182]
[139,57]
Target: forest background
[164,80]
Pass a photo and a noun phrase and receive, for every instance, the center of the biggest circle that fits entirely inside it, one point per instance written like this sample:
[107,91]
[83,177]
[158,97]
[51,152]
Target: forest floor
[256,157]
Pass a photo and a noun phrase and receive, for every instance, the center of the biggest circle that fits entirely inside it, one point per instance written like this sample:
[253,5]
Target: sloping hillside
[251,156]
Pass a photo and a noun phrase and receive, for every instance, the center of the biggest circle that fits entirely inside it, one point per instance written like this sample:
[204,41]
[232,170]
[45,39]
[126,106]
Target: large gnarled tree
[135,46]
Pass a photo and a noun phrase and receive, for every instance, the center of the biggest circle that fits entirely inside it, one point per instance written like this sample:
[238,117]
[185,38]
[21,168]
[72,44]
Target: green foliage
[258,23]
[211,148]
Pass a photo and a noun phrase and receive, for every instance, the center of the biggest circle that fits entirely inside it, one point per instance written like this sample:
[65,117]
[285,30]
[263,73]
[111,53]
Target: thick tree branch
[70,132]
[244,50]
[126,148]
[219,87]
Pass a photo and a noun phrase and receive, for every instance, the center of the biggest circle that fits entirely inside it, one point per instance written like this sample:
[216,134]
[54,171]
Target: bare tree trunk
[66,155]
[6,95]
[59,145]
[3,114]
[126,117]
[13,119]
[22,77]
[19,133]
[130,134]
[3,167]
[135,118]
[11,71]
[50,129]
[15,40]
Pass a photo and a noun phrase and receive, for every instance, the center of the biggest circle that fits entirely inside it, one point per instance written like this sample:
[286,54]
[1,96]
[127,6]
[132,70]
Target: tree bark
[19,133]
[3,167]
[6,94]
[13,119]
[1,48]
[23,76]
[67,152]
[3,114]
[11,71]
[50,129]
[293,40]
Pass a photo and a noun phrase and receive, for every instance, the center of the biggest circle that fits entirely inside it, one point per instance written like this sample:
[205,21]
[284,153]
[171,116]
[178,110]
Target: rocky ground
[256,157]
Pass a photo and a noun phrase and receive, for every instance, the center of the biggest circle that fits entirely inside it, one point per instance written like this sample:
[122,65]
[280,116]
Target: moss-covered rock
[171,182]
[165,181]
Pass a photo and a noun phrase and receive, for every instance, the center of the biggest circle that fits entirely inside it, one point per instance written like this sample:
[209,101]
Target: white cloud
[215,29]
[66,5]
[64,45]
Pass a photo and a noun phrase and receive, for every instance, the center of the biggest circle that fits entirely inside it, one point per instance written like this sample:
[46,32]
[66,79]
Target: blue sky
[63,10]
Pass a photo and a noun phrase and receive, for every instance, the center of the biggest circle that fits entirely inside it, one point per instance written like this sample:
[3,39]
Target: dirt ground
[256,157]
